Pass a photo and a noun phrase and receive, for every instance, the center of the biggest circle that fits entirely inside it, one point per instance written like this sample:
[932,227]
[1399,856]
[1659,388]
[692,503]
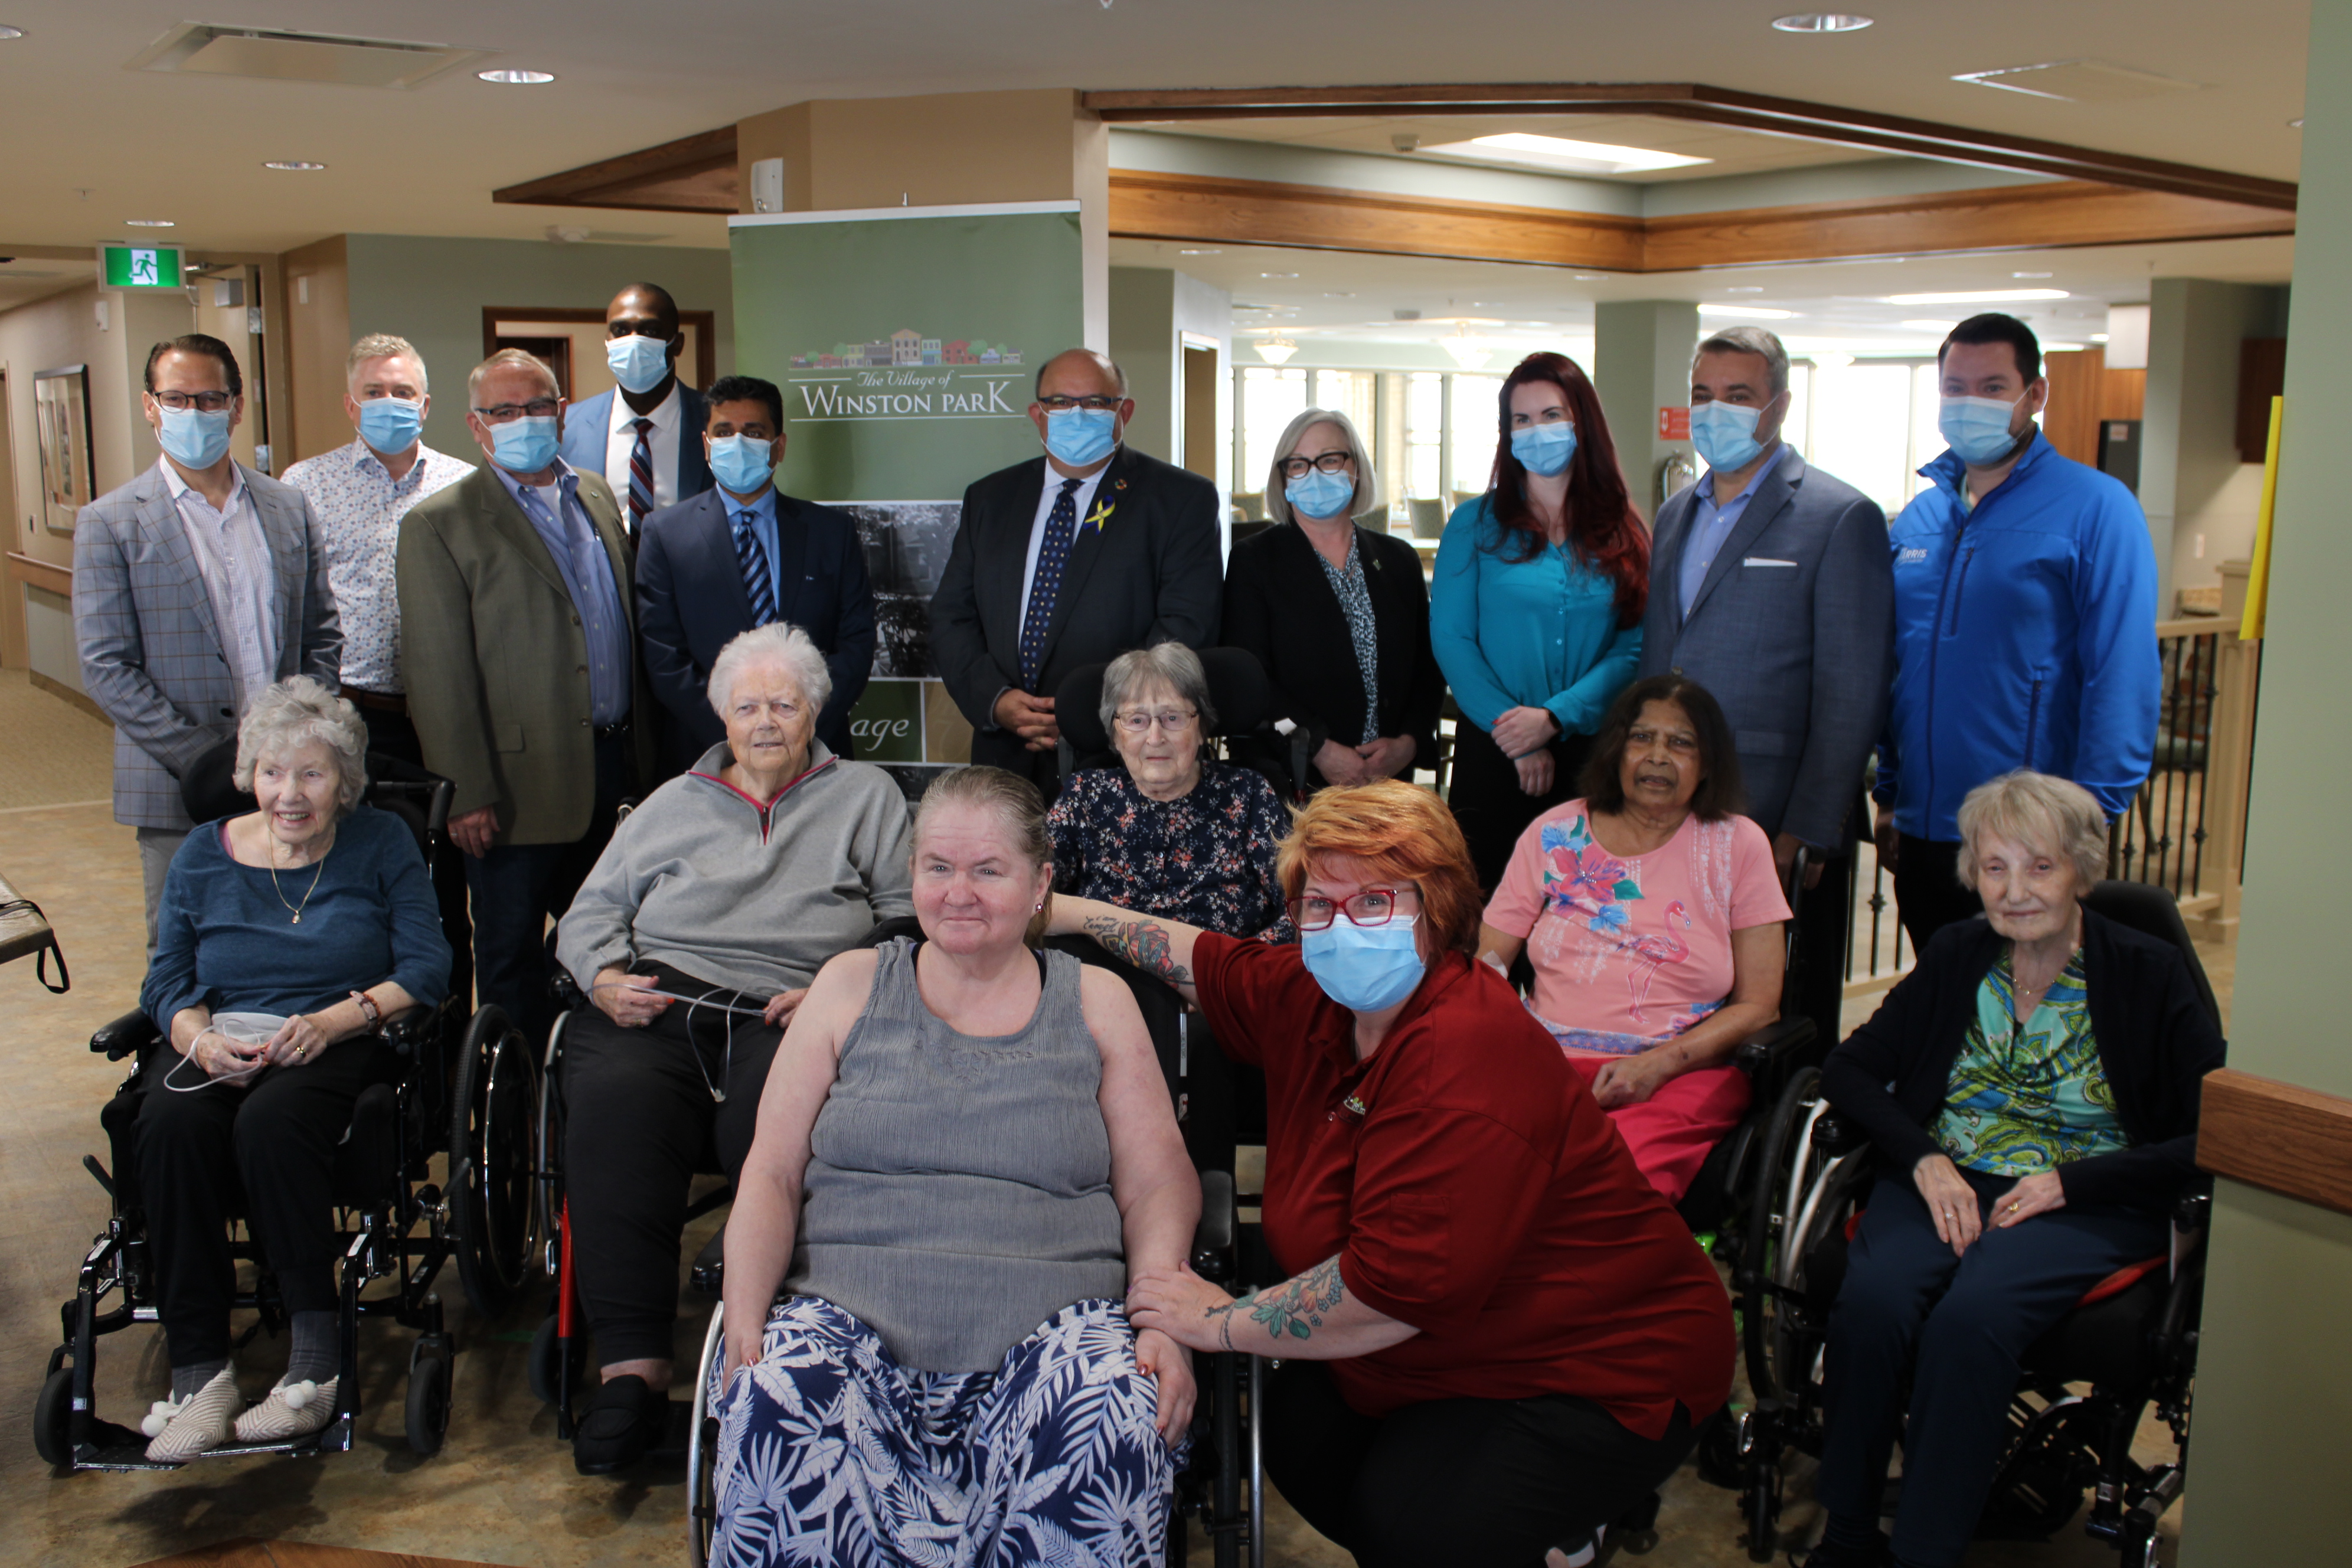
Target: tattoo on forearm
[1224,1316]
[1143,942]
[1300,1307]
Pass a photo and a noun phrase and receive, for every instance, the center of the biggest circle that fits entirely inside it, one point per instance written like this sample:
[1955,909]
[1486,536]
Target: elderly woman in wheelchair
[1497,1337]
[965,1153]
[695,938]
[286,937]
[2031,1091]
[1651,916]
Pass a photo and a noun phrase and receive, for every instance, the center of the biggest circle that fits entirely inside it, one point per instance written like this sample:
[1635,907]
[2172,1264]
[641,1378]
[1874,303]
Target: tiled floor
[503,1490]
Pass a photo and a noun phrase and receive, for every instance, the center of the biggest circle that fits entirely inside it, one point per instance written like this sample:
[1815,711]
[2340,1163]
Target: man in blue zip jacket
[2024,623]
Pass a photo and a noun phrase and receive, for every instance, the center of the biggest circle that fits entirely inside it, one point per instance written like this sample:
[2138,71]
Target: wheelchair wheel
[490,1143]
[428,1397]
[53,1420]
[1803,1198]
[702,1447]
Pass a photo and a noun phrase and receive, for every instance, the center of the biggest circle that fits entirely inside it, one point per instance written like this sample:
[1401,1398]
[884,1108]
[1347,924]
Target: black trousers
[391,734]
[517,887]
[264,1148]
[1825,925]
[1485,1483]
[639,1123]
[1928,892]
[1488,802]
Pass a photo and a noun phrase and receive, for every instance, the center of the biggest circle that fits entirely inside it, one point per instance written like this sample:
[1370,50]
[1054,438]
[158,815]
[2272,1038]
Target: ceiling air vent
[276,56]
[2080,82]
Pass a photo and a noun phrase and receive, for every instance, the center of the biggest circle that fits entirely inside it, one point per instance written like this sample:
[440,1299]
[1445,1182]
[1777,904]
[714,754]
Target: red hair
[1604,528]
[1404,836]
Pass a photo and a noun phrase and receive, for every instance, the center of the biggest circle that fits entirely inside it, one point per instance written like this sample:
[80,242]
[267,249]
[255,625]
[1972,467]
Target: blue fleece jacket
[2024,637]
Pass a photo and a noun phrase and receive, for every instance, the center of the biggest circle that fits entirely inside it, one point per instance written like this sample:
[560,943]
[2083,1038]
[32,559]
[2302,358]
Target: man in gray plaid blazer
[196,587]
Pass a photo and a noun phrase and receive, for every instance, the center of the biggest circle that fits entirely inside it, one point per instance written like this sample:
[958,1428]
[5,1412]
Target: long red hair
[1604,528]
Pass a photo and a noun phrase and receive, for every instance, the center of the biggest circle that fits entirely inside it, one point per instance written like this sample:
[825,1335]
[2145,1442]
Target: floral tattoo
[1293,1310]
[1143,943]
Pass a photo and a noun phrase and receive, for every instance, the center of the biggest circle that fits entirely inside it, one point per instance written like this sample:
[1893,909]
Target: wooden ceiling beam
[694,174]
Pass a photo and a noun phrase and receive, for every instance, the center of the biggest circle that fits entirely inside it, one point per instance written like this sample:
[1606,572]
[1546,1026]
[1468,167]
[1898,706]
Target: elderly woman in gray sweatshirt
[695,937]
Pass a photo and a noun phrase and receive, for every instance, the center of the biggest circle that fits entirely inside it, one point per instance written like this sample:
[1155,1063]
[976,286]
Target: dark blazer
[2156,1042]
[691,601]
[1279,606]
[587,427]
[1148,574]
[1792,632]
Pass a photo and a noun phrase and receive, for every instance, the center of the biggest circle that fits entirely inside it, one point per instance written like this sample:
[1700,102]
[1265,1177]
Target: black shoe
[621,1421]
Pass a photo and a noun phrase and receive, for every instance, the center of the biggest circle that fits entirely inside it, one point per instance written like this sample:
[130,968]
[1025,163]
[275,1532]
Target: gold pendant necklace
[313,888]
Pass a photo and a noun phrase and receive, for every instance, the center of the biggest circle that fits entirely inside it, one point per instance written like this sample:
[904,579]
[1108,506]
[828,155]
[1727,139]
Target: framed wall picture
[61,418]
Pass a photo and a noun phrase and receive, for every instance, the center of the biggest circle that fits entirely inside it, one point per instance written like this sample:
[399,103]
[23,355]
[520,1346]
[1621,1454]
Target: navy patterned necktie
[1053,554]
[752,557]
[641,475]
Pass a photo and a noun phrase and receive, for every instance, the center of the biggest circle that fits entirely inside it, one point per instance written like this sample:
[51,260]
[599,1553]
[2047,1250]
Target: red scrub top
[1470,1187]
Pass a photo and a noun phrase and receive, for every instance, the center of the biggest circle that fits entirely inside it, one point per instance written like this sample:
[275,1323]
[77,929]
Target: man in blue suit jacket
[1769,585]
[644,436]
[696,564]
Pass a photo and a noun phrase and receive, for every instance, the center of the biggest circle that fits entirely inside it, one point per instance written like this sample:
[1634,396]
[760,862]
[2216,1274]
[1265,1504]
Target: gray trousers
[156,847]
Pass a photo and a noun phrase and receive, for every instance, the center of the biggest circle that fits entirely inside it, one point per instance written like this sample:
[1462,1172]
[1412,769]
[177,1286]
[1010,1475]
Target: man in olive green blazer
[518,651]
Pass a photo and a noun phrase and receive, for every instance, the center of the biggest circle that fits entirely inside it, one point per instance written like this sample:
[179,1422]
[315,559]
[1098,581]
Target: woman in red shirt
[1496,1336]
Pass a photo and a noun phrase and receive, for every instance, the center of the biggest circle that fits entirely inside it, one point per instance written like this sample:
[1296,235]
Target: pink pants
[1671,1132]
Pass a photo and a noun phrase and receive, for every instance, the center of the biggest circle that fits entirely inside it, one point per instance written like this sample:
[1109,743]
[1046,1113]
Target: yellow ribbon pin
[1100,515]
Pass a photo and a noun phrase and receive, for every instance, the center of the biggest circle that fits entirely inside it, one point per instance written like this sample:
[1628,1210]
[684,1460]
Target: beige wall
[318,334]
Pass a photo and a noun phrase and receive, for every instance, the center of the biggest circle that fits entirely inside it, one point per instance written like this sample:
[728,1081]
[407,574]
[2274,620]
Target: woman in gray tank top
[964,1148]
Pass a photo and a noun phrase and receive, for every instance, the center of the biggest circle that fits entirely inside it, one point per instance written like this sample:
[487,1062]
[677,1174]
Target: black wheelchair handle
[406,1030]
[131,1033]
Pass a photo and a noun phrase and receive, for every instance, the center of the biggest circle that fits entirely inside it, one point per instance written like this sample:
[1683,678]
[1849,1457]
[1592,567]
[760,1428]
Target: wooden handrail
[40,574]
[2281,1137]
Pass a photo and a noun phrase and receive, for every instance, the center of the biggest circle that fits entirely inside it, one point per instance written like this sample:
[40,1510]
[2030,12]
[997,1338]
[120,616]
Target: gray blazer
[1793,632]
[152,656]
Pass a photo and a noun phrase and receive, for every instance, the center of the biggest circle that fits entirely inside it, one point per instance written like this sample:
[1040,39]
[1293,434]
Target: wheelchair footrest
[113,1447]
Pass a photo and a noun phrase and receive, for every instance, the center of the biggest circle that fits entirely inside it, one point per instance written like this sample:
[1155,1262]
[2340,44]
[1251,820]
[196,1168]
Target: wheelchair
[465,1089]
[2132,1338]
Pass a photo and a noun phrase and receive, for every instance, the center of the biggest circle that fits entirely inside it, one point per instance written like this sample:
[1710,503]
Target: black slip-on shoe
[621,1421]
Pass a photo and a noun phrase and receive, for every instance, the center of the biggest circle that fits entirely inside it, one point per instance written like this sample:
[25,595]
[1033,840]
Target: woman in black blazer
[2032,1090]
[1318,599]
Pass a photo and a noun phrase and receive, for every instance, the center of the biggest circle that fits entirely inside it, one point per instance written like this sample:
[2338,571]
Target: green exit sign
[142,266]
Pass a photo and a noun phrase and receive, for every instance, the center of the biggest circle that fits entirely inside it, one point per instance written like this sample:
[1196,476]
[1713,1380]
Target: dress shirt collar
[1748,490]
[181,486]
[667,415]
[567,485]
[763,509]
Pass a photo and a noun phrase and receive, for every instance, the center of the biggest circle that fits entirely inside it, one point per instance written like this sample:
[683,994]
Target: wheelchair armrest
[1212,1241]
[133,1032]
[405,1031]
[1834,1135]
[1774,1043]
[2193,1210]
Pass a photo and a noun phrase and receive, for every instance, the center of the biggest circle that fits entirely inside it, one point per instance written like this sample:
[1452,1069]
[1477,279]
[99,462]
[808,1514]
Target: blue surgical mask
[391,424]
[637,364]
[1080,436]
[1978,427]
[741,463]
[1545,449]
[523,446]
[1320,495]
[1725,435]
[195,439]
[1365,969]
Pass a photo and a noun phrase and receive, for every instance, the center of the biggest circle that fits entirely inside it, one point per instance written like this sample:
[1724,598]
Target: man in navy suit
[1770,585]
[644,436]
[738,556]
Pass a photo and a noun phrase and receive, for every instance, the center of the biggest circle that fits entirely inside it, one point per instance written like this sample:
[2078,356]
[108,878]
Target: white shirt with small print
[359,505]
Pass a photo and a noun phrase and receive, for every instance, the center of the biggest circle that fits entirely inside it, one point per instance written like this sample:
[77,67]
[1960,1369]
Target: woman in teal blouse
[1536,609]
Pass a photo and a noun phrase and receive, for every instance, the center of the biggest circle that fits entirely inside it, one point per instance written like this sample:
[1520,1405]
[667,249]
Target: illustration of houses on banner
[958,353]
[906,346]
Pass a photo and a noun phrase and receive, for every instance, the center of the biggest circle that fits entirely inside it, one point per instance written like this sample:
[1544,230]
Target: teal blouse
[1529,634]
[2026,1098]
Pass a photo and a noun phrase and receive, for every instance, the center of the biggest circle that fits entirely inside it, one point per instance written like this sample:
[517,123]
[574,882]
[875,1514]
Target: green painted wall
[432,293]
[2272,1444]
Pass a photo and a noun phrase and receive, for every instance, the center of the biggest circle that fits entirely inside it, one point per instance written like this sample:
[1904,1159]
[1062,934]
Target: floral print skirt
[831,1453]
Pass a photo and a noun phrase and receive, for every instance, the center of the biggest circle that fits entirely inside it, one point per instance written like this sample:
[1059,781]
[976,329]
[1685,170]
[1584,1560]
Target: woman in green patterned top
[2032,1090]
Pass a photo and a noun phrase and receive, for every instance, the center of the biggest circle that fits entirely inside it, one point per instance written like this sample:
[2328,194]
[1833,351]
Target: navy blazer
[587,428]
[1792,632]
[691,601]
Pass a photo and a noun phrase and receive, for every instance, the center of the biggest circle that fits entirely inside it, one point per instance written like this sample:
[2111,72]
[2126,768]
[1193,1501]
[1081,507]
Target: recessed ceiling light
[1925,326]
[2098,337]
[1977,297]
[1200,253]
[2030,275]
[7,32]
[1592,277]
[516,78]
[148,223]
[293,165]
[1746,288]
[1338,294]
[1821,22]
[1277,274]
[1757,312]
[1559,153]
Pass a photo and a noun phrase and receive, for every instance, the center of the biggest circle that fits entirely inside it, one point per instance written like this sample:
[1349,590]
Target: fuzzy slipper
[292,1410]
[184,1428]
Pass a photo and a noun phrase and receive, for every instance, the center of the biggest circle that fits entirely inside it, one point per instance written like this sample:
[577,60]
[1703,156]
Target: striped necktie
[752,557]
[1053,554]
[641,475]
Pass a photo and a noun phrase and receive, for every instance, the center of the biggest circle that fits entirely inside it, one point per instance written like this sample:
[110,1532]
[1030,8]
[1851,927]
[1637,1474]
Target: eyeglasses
[1168,719]
[1372,907]
[537,408]
[1327,462]
[1058,405]
[210,402]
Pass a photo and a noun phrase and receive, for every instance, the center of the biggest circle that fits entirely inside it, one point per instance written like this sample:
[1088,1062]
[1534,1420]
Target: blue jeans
[1959,1325]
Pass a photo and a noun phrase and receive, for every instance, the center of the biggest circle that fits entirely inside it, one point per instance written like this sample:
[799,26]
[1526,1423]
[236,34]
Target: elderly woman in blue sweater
[285,937]
[695,937]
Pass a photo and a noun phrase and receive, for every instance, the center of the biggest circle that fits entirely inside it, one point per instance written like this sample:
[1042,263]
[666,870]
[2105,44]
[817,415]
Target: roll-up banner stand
[906,340]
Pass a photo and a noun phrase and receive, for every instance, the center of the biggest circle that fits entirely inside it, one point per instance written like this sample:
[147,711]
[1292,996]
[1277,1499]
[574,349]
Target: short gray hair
[778,640]
[293,713]
[515,359]
[1749,341]
[383,345]
[2055,817]
[1368,483]
[1168,664]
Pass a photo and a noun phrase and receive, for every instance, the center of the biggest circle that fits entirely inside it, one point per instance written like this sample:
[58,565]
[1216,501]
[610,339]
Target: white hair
[292,714]
[785,643]
[2053,817]
[1168,664]
[511,359]
[1368,483]
[383,345]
